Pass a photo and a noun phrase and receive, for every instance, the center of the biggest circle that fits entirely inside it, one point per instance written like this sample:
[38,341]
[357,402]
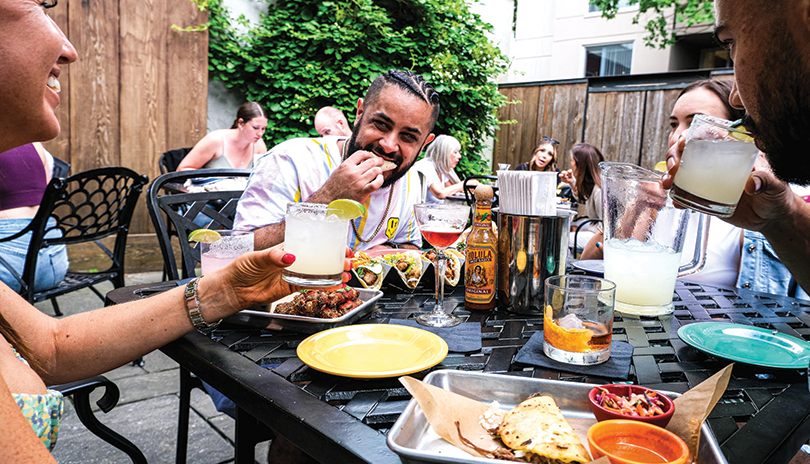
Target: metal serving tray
[415,442]
[273,321]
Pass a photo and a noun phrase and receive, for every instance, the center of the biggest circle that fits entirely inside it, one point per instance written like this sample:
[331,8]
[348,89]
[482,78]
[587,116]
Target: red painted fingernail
[288,258]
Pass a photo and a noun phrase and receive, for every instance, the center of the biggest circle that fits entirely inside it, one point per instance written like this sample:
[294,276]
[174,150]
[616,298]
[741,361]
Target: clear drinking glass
[318,242]
[645,235]
[441,225]
[216,255]
[716,162]
[578,321]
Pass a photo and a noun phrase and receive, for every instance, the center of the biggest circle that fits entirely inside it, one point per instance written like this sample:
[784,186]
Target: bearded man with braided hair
[393,125]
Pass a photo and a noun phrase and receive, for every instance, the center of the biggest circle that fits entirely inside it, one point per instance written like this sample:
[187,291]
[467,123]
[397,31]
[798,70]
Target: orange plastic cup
[634,442]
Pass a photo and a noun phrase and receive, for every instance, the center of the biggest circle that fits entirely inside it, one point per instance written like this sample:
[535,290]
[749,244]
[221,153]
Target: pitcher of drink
[644,238]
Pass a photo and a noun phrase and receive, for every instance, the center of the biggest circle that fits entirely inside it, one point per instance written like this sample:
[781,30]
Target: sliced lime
[346,209]
[204,236]
[742,136]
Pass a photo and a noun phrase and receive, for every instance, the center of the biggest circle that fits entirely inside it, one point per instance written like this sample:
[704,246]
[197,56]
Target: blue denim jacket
[761,270]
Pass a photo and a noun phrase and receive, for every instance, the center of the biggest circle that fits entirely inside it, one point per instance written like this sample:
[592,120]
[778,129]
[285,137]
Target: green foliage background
[688,12]
[305,55]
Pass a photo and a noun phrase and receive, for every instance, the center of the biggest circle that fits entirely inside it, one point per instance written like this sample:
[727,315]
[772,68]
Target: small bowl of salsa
[631,402]
[630,442]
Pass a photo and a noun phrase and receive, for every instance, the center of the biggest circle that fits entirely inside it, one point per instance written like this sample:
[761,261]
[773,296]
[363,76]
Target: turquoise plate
[747,344]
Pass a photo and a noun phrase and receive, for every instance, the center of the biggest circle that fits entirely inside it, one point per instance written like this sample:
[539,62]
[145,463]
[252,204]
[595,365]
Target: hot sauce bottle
[482,255]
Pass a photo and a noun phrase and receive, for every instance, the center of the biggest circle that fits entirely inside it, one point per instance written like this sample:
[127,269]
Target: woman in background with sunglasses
[544,158]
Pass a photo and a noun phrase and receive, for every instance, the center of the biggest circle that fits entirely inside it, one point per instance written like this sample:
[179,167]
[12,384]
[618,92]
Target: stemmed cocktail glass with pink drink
[441,225]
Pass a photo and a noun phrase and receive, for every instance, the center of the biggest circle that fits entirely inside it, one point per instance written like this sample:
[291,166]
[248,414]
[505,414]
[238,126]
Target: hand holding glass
[441,225]
[716,162]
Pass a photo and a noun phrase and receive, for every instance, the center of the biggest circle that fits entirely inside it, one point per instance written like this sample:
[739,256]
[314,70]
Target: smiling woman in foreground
[37,350]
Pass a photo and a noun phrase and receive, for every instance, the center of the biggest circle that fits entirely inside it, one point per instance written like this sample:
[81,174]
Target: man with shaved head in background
[331,121]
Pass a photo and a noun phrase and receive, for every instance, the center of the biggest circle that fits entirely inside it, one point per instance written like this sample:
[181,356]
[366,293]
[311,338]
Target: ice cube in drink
[644,274]
[578,319]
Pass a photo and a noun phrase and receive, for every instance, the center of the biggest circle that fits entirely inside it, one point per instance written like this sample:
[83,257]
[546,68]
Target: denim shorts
[51,265]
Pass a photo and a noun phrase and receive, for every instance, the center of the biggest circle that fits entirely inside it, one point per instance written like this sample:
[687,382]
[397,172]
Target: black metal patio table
[761,418]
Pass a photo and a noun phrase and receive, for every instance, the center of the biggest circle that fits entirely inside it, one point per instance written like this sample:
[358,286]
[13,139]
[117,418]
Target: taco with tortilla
[537,429]
[369,271]
[452,271]
[408,265]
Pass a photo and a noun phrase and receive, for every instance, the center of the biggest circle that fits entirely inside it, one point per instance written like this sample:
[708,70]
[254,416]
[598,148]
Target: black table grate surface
[761,418]
[753,410]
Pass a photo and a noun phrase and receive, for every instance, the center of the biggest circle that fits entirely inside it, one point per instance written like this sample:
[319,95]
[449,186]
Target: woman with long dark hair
[585,178]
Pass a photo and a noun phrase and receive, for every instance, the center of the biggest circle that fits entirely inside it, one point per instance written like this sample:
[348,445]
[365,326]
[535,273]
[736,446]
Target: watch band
[193,308]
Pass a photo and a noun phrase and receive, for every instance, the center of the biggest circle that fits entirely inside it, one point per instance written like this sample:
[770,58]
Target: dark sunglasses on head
[549,139]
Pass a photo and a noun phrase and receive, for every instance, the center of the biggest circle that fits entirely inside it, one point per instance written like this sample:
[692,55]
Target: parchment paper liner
[443,408]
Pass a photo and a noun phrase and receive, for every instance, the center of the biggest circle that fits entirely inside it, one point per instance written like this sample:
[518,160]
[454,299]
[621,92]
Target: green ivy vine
[305,55]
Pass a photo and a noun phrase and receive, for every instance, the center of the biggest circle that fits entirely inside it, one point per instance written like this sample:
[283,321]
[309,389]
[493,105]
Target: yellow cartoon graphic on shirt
[391,230]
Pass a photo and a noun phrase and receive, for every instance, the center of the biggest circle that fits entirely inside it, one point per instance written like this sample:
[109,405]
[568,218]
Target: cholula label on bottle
[479,283]
[481,263]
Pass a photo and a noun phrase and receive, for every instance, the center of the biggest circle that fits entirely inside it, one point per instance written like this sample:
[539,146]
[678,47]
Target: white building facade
[568,39]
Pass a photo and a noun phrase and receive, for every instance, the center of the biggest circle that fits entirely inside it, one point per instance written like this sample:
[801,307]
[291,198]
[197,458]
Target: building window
[712,58]
[622,4]
[608,60]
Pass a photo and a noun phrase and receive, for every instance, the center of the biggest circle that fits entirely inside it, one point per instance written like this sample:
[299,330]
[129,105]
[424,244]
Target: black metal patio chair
[180,210]
[80,391]
[60,168]
[169,160]
[85,207]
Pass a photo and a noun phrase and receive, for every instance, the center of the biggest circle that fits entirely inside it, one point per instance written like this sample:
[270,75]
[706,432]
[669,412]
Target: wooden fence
[626,117]
[138,89]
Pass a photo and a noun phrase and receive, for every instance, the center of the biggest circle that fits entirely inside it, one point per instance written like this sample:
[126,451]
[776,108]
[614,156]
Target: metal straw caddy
[530,249]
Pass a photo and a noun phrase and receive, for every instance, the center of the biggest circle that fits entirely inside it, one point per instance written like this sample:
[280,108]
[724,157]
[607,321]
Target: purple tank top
[22,178]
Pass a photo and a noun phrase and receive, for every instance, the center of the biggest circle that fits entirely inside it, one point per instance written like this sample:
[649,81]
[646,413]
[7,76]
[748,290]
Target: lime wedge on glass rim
[204,236]
[739,132]
[345,209]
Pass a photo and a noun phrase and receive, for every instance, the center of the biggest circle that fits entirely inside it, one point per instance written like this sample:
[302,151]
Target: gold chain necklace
[387,207]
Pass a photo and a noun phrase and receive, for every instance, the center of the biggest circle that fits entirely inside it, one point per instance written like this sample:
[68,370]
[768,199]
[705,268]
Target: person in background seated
[585,178]
[441,158]
[734,256]
[393,125]
[544,158]
[25,172]
[231,148]
[331,121]
[37,350]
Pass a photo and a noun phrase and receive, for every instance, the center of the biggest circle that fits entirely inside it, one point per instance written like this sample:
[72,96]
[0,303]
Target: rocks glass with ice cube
[218,254]
[716,162]
[318,241]
[578,319]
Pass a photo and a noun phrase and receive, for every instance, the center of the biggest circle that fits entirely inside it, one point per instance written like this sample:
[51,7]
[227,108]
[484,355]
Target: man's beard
[783,103]
[397,173]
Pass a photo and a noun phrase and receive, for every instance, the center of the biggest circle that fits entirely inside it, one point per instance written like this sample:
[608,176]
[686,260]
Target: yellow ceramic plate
[371,351]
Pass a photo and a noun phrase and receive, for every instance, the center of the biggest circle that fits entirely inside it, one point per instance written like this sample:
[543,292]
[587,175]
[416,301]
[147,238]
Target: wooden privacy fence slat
[138,89]
[627,118]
